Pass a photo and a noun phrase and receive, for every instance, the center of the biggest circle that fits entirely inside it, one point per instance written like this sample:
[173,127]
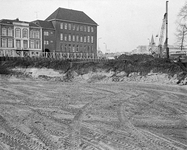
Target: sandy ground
[40,114]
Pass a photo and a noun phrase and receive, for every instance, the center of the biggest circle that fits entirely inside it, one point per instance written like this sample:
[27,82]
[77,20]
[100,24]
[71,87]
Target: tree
[181,31]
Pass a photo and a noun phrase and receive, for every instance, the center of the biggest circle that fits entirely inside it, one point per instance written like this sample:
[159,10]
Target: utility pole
[167,48]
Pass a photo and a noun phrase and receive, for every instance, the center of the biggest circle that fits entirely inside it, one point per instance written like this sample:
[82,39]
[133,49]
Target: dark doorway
[46,52]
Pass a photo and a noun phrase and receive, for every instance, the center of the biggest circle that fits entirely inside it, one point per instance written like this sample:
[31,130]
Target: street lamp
[98,43]
[105,47]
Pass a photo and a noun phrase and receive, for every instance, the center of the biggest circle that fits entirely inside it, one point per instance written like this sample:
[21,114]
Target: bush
[4,70]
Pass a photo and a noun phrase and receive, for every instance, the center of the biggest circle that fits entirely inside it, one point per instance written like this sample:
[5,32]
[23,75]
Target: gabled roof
[71,15]
[44,24]
[32,24]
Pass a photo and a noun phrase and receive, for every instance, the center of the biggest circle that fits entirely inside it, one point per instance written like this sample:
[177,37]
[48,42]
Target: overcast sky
[123,24]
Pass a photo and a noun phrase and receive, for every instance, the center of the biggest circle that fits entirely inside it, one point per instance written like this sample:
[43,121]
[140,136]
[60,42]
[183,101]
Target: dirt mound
[139,68]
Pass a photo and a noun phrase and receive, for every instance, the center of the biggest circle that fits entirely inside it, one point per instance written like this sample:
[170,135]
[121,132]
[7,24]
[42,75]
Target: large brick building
[68,32]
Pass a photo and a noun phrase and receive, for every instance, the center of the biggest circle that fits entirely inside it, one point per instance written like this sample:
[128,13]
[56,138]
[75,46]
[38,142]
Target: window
[92,29]
[73,26]
[81,39]
[88,39]
[73,48]
[77,38]
[37,44]
[61,37]
[77,27]
[84,28]
[4,31]
[88,49]
[69,37]
[46,33]
[25,44]
[69,26]
[73,38]
[10,31]
[36,34]
[46,42]
[10,43]
[4,42]
[65,37]
[25,33]
[88,28]
[61,47]
[31,34]
[65,48]
[77,49]
[84,39]
[61,25]
[65,26]
[32,44]
[81,28]
[69,48]
[18,44]
[80,48]
[91,39]
[18,32]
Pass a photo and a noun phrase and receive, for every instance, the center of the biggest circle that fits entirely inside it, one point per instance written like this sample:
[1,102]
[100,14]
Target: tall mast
[167,48]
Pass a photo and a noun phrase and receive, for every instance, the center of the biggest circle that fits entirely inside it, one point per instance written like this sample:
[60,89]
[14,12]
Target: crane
[161,38]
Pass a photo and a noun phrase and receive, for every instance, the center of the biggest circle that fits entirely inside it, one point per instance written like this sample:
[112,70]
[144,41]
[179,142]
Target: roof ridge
[70,9]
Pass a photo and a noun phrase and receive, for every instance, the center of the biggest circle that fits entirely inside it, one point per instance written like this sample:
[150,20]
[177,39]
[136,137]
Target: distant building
[142,49]
[67,32]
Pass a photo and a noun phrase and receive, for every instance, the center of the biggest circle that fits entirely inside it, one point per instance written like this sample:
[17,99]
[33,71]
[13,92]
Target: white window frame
[73,38]
[88,29]
[92,39]
[10,43]
[61,25]
[69,37]
[65,26]
[92,29]
[61,36]
[10,32]
[77,38]
[46,33]
[18,33]
[25,33]
[4,31]
[4,42]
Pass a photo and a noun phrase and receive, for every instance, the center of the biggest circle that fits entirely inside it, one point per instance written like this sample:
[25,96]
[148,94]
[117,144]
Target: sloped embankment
[138,68]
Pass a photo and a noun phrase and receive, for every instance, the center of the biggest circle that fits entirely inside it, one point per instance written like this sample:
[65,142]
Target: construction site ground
[134,103]
[37,112]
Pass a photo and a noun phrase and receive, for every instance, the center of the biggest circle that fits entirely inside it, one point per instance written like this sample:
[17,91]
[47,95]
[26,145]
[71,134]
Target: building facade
[18,36]
[48,35]
[66,32]
[76,33]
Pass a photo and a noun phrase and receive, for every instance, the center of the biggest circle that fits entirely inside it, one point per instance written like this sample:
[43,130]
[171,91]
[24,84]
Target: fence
[55,55]
[13,54]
